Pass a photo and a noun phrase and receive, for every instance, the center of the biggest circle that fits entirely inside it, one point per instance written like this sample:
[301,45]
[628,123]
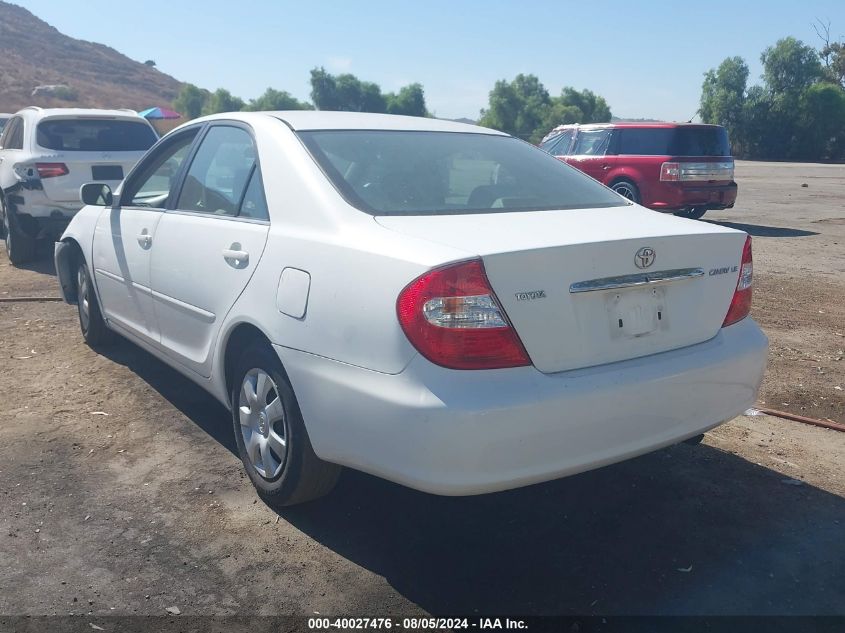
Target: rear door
[208,244]
[589,153]
[124,238]
[83,149]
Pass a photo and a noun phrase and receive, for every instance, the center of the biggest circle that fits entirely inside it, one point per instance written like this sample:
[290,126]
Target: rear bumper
[456,433]
[665,196]
[39,216]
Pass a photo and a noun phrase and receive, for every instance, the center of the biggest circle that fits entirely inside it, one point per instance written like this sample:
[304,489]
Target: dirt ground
[120,490]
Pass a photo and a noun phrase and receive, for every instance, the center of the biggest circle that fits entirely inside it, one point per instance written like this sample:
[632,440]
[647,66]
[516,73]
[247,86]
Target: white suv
[46,155]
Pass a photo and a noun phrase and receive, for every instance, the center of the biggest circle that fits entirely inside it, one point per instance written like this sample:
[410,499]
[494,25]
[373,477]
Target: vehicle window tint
[701,141]
[95,135]
[646,142]
[219,172]
[13,136]
[254,204]
[437,173]
[3,122]
[158,173]
[591,142]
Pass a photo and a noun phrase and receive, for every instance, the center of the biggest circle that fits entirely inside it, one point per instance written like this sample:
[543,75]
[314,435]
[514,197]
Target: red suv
[683,168]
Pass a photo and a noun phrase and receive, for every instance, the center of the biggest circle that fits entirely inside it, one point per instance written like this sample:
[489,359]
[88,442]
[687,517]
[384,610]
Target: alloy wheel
[83,298]
[262,423]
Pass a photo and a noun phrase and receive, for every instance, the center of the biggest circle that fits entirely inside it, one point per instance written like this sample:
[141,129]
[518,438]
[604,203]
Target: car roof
[632,124]
[302,120]
[43,113]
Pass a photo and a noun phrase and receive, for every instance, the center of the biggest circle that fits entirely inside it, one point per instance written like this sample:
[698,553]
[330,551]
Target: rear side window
[13,134]
[2,124]
[681,141]
[591,142]
[440,173]
[646,142]
[701,141]
[95,135]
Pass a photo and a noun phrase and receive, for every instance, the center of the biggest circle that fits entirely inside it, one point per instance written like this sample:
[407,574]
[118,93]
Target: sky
[646,58]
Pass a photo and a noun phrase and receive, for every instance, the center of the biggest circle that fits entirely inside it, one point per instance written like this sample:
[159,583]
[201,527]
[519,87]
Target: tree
[790,66]
[524,108]
[221,100]
[822,122]
[277,100]
[190,101]
[832,54]
[594,109]
[151,63]
[723,97]
[519,107]
[410,101]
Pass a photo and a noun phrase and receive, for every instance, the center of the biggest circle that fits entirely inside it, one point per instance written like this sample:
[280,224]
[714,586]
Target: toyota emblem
[645,257]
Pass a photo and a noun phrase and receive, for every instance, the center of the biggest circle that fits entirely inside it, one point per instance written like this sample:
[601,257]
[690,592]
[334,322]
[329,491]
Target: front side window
[95,135]
[219,173]
[157,174]
[437,173]
[591,142]
[559,145]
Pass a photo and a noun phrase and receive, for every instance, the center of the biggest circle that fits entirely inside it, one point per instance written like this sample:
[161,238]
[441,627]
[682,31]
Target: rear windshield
[95,135]
[437,173]
[683,141]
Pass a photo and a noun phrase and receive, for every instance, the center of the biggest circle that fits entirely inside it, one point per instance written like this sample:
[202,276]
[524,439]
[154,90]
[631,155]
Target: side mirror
[96,194]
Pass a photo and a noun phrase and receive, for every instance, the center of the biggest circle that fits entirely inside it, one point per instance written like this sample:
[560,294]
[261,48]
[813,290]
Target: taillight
[51,170]
[453,318]
[670,171]
[741,301]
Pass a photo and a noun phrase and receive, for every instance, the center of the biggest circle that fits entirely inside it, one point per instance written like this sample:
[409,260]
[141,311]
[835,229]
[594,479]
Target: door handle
[234,254]
[145,239]
[605,166]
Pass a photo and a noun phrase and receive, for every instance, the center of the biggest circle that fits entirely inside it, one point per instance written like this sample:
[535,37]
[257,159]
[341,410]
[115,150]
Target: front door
[208,246]
[124,238]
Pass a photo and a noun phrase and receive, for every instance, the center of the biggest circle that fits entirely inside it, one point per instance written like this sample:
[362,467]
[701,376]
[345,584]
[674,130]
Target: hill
[33,54]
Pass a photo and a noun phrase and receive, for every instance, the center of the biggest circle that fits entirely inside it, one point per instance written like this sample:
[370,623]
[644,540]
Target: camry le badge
[644,257]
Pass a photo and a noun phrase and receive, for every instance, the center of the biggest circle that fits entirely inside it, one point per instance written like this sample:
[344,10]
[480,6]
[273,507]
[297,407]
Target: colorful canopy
[159,113]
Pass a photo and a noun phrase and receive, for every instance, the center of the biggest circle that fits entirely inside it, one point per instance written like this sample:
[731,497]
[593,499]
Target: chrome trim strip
[109,275]
[639,279]
[203,315]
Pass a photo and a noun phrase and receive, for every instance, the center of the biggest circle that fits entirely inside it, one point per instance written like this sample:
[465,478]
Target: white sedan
[438,304]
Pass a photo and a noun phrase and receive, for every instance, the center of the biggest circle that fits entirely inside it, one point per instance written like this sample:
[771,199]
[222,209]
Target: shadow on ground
[686,530]
[190,399]
[759,230]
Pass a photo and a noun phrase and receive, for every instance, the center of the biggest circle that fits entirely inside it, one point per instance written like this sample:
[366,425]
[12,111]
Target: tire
[696,213]
[627,189]
[94,329]
[20,247]
[270,433]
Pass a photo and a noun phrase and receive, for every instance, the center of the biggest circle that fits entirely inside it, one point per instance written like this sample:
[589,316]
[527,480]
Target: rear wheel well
[241,338]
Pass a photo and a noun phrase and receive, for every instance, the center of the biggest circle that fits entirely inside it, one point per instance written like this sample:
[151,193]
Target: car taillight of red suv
[682,168]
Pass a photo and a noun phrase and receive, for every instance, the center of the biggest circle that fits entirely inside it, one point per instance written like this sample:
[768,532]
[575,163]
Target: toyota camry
[438,304]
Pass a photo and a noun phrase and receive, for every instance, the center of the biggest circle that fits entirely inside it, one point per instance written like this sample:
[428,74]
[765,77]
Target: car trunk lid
[589,287]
